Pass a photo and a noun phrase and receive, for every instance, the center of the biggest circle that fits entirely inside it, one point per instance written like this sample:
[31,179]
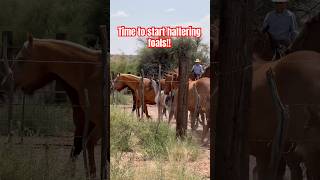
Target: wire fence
[45,119]
[39,115]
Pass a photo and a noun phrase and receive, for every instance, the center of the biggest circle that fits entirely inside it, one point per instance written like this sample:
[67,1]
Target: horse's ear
[30,39]
[175,76]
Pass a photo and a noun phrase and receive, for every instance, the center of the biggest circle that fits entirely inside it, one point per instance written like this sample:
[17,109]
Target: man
[281,25]
[197,69]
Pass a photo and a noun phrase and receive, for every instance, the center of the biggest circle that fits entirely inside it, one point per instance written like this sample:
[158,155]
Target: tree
[79,19]
[149,58]
[235,76]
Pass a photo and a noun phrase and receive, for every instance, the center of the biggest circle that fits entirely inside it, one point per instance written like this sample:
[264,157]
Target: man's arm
[265,25]
[201,69]
[293,27]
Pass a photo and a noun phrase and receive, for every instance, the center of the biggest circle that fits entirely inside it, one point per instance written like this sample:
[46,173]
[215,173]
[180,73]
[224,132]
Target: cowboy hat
[197,60]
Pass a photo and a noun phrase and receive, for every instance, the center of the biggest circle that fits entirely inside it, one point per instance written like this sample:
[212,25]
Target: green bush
[153,140]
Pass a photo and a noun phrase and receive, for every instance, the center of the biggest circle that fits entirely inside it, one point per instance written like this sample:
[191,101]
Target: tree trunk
[235,76]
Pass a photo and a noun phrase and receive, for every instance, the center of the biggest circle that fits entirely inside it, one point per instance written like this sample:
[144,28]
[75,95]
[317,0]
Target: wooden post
[8,72]
[85,133]
[281,133]
[21,128]
[142,93]
[159,96]
[105,125]
[195,117]
[182,107]
[231,152]
[9,38]
[60,95]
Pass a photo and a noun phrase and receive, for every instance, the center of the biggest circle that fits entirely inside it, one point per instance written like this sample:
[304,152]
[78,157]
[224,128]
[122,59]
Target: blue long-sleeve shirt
[197,69]
[281,26]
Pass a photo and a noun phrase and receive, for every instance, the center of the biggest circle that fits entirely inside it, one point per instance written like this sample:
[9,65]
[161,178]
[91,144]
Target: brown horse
[307,39]
[297,80]
[198,99]
[206,72]
[133,82]
[46,60]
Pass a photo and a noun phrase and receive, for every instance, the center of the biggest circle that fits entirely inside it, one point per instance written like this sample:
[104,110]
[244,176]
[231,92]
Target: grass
[120,98]
[28,163]
[146,150]
[39,119]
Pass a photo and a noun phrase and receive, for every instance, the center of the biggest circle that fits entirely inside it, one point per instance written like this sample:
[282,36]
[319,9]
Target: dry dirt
[202,165]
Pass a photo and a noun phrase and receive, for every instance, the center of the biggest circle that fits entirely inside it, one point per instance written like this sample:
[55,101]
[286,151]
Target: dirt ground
[202,165]
[60,147]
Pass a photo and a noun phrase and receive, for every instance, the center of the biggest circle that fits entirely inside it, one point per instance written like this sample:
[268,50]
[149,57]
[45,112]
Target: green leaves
[150,58]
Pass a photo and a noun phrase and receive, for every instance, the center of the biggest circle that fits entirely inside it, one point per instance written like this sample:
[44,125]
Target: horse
[198,100]
[294,73]
[307,39]
[206,72]
[45,60]
[161,99]
[133,82]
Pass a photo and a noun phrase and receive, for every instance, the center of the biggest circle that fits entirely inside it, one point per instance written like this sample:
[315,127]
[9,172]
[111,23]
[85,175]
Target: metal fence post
[280,136]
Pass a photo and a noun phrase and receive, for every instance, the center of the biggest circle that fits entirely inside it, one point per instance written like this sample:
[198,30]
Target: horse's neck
[131,83]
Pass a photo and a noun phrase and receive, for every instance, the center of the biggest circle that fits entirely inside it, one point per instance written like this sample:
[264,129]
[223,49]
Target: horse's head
[118,83]
[162,83]
[309,37]
[29,73]
[170,83]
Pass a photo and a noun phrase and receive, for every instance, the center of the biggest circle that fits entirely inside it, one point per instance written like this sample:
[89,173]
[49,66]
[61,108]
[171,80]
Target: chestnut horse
[297,77]
[133,82]
[45,60]
[198,99]
[307,39]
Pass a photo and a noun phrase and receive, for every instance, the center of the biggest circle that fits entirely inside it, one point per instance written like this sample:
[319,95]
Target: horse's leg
[193,120]
[145,108]
[133,101]
[281,169]
[171,113]
[138,108]
[78,119]
[262,161]
[205,131]
[93,137]
[293,161]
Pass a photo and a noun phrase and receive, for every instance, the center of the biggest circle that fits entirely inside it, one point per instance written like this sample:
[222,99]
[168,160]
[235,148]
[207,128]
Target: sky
[147,13]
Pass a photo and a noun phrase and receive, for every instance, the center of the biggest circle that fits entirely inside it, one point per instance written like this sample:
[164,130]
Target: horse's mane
[131,75]
[69,44]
